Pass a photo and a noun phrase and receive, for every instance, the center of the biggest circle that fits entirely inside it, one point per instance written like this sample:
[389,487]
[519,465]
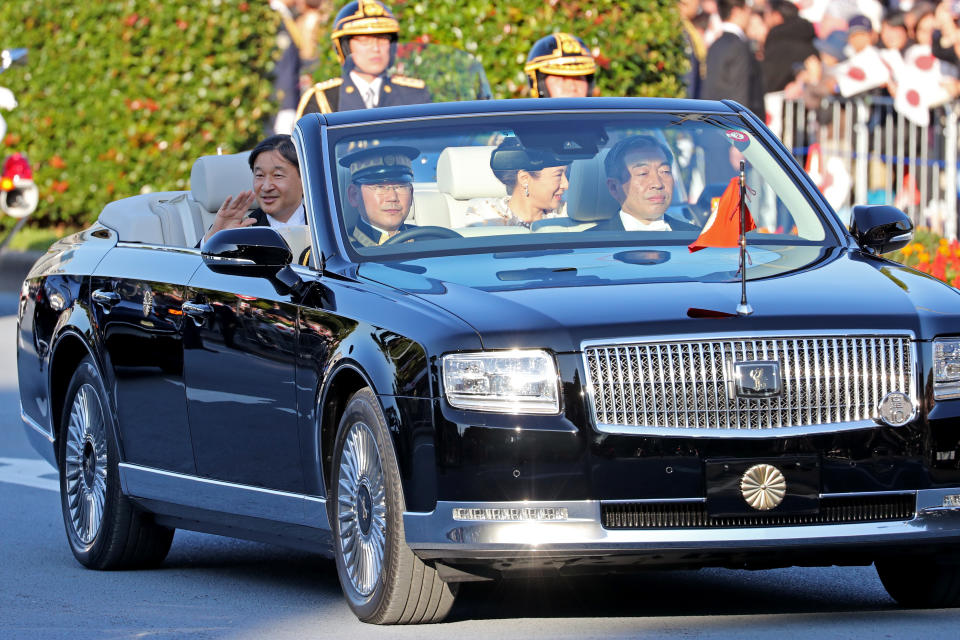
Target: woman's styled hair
[282,144]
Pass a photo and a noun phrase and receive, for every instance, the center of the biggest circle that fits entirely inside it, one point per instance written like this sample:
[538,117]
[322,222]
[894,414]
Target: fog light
[952,500]
[515,514]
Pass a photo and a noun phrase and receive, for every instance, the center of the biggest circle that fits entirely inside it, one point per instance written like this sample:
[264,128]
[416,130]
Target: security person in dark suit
[640,177]
[560,66]
[381,189]
[365,38]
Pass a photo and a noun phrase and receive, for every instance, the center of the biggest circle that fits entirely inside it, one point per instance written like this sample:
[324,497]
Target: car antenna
[744,308]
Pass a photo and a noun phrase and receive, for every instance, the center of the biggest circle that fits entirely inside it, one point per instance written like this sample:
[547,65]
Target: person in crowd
[733,71]
[640,177]
[277,190]
[791,43]
[286,73]
[535,180]
[945,43]
[381,190]
[913,17]
[365,34]
[893,32]
[312,21]
[694,47]
[560,66]
[860,34]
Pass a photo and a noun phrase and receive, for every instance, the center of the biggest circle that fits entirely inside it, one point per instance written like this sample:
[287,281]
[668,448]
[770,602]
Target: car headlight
[502,381]
[946,368]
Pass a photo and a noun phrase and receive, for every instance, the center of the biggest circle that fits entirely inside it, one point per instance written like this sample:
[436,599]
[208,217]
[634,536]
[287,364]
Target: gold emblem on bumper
[763,486]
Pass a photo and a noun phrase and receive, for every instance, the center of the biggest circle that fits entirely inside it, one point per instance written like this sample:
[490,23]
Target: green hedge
[119,97]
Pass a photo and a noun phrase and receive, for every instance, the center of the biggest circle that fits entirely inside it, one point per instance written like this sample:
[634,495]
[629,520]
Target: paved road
[213,587]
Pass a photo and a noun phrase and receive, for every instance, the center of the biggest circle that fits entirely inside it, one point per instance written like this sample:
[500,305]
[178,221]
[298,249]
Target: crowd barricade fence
[861,150]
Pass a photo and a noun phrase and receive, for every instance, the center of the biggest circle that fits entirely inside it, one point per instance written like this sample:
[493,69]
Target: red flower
[182,25]
[57,162]
[243,6]
[131,20]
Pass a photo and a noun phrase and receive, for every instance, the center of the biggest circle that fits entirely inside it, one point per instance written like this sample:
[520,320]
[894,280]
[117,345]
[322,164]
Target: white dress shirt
[632,224]
[299,217]
[369,91]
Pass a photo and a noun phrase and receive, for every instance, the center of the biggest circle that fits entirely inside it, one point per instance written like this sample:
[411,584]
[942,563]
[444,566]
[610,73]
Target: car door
[136,297]
[239,361]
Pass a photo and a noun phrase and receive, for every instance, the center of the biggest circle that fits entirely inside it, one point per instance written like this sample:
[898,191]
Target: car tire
[104,529]
[921,581]
[382,579]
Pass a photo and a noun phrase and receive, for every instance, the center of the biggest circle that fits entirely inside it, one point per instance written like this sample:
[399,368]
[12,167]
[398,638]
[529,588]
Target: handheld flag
[723,227]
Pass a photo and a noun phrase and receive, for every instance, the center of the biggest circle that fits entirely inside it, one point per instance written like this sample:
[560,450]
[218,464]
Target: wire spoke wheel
[86,464]
[104,528]
[361,509]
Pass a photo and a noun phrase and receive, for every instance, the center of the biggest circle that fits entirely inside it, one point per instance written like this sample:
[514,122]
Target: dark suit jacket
[733,73]
[340,94]
[614,223]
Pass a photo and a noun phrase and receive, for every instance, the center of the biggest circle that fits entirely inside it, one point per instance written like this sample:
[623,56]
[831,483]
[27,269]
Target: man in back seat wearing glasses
[381,189]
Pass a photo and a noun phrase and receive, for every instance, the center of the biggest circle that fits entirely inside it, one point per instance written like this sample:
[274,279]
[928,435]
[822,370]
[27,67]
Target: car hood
[559,299]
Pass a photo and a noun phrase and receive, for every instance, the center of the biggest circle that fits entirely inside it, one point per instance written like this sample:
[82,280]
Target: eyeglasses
[384,189]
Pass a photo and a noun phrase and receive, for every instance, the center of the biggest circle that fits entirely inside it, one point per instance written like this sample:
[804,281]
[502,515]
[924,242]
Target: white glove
[7,101]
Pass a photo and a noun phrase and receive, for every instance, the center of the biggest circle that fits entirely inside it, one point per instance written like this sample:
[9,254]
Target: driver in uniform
[381,190]
[560,66]
[365,38]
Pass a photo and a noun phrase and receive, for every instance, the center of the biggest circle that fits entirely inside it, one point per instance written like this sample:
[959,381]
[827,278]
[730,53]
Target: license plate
[774,486]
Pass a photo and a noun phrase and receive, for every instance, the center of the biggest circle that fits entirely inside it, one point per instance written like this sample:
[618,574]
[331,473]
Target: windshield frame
[345,126]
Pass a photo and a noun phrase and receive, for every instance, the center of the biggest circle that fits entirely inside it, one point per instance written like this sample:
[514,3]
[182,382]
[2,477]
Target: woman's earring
[526,189]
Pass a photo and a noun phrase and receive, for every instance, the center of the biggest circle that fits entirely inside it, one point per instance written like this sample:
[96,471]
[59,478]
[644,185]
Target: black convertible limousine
[532,373]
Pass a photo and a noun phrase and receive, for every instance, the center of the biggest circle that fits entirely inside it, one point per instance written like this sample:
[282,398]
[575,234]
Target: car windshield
[638,185]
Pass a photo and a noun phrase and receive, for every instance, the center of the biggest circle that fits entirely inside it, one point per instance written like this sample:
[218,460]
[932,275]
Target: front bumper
[436,535]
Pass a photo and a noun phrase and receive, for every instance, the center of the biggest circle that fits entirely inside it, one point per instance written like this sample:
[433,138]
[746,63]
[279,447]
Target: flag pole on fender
[744,308]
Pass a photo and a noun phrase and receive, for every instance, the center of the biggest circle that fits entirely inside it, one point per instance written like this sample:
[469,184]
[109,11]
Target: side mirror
[881,228]
[249,251]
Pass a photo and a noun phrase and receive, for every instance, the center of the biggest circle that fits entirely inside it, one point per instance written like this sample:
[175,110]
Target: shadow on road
[686,594]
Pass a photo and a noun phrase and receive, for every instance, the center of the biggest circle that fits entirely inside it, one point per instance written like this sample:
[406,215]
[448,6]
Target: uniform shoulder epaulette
[328,84]
[404,81]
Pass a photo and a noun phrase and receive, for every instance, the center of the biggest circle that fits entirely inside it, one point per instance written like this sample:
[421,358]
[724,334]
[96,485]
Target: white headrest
[464,172]
[213,178]
[588,198]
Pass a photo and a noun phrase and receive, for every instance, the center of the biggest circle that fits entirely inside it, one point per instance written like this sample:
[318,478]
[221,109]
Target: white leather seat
[138,219]
[212,180]
[464,173]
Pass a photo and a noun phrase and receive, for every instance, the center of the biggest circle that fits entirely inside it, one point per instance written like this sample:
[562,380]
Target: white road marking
[28,472]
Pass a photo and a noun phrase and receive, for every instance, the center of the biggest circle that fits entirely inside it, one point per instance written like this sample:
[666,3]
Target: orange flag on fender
[723,227]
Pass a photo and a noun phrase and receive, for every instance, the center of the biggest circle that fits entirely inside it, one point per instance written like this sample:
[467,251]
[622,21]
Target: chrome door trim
[36,426]
[226,497]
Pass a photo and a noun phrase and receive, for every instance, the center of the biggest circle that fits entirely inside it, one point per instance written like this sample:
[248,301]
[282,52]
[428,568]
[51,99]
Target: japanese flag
[862,72]
[723,227]
[919,87]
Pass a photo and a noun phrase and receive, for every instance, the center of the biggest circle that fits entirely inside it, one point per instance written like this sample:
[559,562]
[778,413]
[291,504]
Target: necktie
[384,236]
[370,98]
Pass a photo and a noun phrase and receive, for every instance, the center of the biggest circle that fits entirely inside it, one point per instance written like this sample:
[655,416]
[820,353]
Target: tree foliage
[119,97]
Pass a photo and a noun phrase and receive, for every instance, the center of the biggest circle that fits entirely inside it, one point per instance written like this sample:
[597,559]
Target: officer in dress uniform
[365,38]
[560,66]
[381,190]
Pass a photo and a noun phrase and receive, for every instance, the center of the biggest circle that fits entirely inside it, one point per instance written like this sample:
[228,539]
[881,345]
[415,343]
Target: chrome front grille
[687,385]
